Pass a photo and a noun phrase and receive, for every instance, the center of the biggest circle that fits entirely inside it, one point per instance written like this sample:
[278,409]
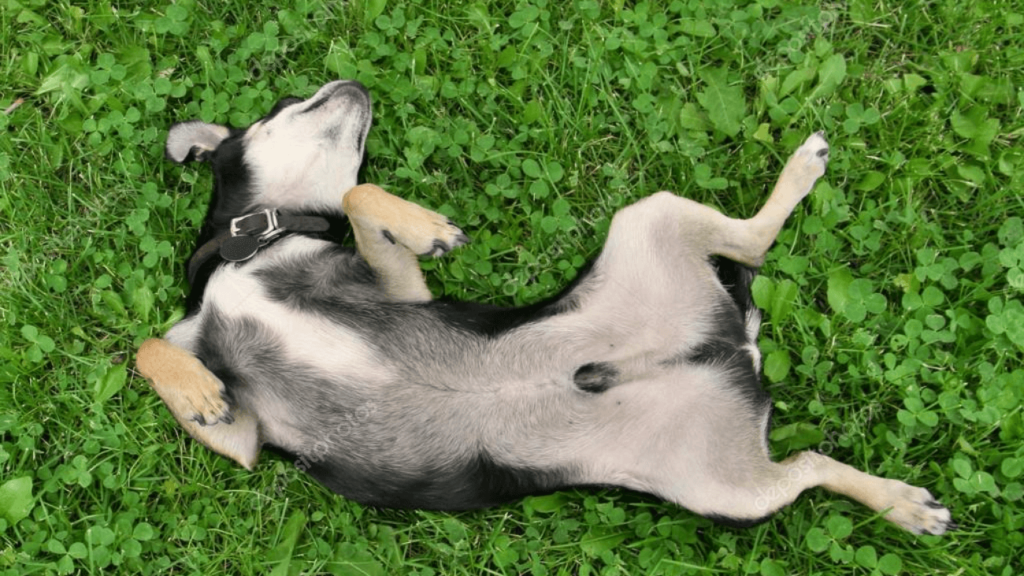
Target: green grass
[895,330]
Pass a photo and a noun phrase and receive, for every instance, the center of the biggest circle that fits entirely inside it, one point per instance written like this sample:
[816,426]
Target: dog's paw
[804,168]
[192,393]
[424,232]
[812,156]
[915,509]
[427,233]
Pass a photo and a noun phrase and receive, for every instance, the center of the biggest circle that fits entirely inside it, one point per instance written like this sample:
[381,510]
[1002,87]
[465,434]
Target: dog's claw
[441,247]
[444,238]
[437,249]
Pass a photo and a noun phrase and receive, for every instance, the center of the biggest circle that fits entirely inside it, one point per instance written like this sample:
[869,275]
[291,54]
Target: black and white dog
[644,374]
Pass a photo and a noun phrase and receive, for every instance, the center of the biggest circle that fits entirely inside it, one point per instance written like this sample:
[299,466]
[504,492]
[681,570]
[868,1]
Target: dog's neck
[250,232]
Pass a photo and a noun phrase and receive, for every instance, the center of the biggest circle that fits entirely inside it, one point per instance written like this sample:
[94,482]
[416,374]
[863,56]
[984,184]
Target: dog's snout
[354,85]
[344,87]
[349,89]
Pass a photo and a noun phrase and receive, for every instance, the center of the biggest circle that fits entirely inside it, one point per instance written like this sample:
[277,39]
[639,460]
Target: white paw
[812,155]
[804,167]
[916,510]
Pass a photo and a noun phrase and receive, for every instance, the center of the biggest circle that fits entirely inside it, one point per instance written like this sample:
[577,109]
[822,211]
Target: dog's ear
[194,140]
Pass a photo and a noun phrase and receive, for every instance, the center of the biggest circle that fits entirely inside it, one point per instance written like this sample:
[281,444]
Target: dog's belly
[406,405]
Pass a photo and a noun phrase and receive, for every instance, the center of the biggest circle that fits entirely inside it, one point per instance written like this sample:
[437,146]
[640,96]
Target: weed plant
[895,315]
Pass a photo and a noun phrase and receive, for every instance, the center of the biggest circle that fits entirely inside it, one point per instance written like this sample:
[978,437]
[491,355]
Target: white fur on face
[308,155]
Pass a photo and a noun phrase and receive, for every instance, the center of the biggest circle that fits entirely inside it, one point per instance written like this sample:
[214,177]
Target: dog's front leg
[195,396]
[392,233]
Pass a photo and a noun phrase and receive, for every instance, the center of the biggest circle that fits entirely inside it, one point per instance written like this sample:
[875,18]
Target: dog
[644,373]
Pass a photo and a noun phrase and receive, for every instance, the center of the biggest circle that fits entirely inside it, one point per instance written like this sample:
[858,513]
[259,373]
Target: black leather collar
[251,232]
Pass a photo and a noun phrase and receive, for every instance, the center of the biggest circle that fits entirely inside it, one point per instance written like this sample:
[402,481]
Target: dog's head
[302,157]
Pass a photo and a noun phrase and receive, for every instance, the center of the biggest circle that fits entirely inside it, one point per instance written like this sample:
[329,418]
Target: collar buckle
[261,225]
[250,232]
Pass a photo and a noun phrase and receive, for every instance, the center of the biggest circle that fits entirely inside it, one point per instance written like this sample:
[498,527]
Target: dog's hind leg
[778,484]
[907,506]
[392,233]
[194,395]
[747,241]
[704,448]
[696,229]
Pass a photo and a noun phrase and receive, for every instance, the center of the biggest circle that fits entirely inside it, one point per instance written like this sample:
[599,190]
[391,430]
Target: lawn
[894,333]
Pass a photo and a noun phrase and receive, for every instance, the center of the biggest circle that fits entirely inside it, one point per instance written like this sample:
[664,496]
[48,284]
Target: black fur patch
[320,102]
[343,290]
[727,347]
[736,278]
[595,377]
[718,350]
[724,346]
[478,482]
[496,482]
[492,321]
[329,281]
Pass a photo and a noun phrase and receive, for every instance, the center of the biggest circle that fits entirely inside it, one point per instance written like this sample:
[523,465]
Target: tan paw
[428,234]
[424,232]
[192,393]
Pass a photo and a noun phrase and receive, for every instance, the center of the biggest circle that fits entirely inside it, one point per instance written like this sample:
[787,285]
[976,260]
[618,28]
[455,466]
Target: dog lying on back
[644,374]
